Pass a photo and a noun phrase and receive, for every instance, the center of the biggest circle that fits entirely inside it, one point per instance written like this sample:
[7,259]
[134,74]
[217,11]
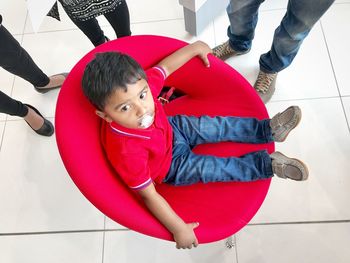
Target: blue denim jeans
[189,168]
[300,17]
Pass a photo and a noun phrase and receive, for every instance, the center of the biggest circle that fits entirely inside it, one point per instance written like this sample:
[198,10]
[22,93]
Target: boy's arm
[183,233]
[182,55]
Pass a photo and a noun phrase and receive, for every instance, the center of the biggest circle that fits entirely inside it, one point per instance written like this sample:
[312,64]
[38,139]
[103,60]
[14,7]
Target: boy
[145,146]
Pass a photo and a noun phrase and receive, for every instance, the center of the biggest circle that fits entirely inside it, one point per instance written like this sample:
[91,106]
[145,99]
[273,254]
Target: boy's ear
[103,115]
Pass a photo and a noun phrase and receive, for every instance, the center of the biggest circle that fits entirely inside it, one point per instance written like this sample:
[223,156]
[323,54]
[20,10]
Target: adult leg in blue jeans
[300,17]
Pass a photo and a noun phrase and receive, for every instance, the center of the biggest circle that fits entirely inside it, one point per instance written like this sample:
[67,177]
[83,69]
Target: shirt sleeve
[134,172]
[156,77]
[132,167]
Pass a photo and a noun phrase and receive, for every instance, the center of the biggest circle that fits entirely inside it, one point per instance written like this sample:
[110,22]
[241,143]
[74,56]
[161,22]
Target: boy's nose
[140,110]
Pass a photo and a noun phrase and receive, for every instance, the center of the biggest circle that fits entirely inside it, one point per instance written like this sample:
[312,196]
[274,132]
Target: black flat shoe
[44,90]
[47,129]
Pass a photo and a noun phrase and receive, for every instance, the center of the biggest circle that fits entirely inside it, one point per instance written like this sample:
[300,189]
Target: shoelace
[222,50]
[264,81]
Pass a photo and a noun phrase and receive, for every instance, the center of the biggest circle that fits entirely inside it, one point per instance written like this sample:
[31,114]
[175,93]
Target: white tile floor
[44,218]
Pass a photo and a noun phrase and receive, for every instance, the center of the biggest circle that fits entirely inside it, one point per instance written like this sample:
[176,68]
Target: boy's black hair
[107,72]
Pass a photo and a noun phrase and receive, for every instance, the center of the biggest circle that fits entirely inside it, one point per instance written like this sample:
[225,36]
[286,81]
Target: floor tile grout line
[21,44]
[24,26]
[346,117]
[156,21]
[335,76]
[13,85]
[330,58]
[305,99]
[102,26]
[63,232]
[236,250]
[3,133]
[302,222]
[214,32]
[103,238]
[124,230]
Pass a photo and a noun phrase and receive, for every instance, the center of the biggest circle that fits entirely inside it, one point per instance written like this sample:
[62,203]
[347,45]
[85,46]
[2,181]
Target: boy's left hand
[185,237]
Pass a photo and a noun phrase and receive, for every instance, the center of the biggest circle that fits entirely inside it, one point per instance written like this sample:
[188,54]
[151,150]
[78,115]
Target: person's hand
[185,237]
[203,50]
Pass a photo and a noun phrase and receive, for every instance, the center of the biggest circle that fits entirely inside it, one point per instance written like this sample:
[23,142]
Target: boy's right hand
[203,50]
[185,237]
[183,55]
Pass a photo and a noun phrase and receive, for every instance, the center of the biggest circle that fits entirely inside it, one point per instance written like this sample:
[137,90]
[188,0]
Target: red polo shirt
[141,156]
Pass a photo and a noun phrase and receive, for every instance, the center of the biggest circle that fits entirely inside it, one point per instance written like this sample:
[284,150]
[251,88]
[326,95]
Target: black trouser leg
[11,106]
[16,60]
[120,20]
[92,30]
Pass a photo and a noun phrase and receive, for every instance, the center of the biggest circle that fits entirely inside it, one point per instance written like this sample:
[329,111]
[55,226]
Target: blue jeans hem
[267,164]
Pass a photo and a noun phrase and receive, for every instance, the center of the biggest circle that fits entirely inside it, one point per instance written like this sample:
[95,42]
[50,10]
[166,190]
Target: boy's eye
[125,108]
[143,95]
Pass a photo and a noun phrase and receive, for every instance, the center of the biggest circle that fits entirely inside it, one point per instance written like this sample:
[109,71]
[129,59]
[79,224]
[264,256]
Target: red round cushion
[220,208]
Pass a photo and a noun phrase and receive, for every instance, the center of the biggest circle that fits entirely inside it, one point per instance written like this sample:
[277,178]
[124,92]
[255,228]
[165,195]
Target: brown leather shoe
[285,167]
[265,85]
[224,51]
[283,123]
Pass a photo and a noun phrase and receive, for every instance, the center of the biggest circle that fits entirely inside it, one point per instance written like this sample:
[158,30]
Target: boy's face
[132,109]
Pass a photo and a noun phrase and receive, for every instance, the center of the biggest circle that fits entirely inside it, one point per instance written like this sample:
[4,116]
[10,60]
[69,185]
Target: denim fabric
[299,19]
[189,168]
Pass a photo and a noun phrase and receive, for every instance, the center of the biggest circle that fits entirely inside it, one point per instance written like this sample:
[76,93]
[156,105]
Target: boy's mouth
[146,120]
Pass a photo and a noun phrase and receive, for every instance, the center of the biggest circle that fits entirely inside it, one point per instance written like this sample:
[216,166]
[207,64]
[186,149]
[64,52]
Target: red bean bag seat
[221,208]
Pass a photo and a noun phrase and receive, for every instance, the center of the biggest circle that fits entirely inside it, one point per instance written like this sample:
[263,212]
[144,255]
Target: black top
[87,9]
